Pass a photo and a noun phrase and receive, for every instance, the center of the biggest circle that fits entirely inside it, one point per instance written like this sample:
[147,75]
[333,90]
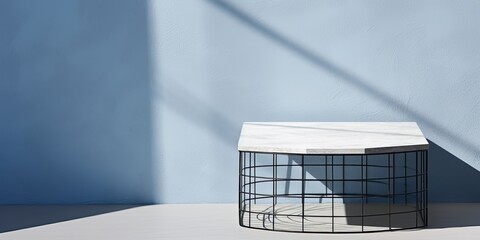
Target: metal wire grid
[408,206]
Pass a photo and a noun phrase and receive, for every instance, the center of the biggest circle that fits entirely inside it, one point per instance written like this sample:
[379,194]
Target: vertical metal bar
[393,172]
[343,175]
[389,195]
[276,177]
[255,178]
[363,194]
[405,177]
[273,191]
[240,188]
[326,177]
[250,190]
[422,186]
[416,190]
[426,187]
[366,178]
[333,199]
[303,193]
[244,187]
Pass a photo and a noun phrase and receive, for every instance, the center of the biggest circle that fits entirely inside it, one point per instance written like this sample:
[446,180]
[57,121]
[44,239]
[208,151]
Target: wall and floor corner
[143,101]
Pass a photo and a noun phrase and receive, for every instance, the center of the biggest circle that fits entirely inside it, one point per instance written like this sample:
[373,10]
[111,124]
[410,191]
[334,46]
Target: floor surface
[199,221]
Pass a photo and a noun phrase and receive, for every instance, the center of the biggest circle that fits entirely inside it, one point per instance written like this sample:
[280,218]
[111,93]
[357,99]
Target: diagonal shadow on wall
[198,111]
[357,82]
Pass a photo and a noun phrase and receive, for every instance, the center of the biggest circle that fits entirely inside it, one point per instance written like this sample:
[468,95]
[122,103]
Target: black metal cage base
[333,193]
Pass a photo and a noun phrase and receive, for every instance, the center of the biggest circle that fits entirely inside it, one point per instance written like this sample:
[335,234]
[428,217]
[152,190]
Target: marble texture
[331,137]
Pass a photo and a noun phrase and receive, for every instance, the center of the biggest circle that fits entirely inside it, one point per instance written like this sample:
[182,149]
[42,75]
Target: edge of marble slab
[378,150]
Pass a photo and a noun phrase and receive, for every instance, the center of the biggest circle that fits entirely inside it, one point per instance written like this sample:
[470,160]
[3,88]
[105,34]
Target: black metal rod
[326,177]
[240,188]
[416,190]
[422,181]
[366,178]
[337,216]
[276,177]
[405,175]
[389,197]
[363,181]
[273,191]
[250,190]
[393,172]
[422,187]
[426,188]
[333,199]
[316,195]
[303,193]
[343,173]
[244,180]
[321,165]
[323,179]
[255,178]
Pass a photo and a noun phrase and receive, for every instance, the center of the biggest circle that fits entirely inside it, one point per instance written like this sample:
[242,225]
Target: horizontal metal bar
[328,179]
[322,165]
[339,232]
[335,216]
[329,195]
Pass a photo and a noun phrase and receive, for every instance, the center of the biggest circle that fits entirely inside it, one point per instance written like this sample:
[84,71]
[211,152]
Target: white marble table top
[331,137]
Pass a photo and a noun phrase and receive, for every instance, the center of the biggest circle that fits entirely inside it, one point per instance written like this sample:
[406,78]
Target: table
[329,177]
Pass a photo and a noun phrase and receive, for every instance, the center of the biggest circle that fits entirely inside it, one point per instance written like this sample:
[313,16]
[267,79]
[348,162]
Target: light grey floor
[199,221]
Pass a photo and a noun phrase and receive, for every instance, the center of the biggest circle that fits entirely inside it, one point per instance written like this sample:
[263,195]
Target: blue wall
[143,101]
[74,102]
[219,63]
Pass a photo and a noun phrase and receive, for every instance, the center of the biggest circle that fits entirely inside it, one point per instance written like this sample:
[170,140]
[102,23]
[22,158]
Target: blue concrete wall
[218,63]
[74,102]
[143,101]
